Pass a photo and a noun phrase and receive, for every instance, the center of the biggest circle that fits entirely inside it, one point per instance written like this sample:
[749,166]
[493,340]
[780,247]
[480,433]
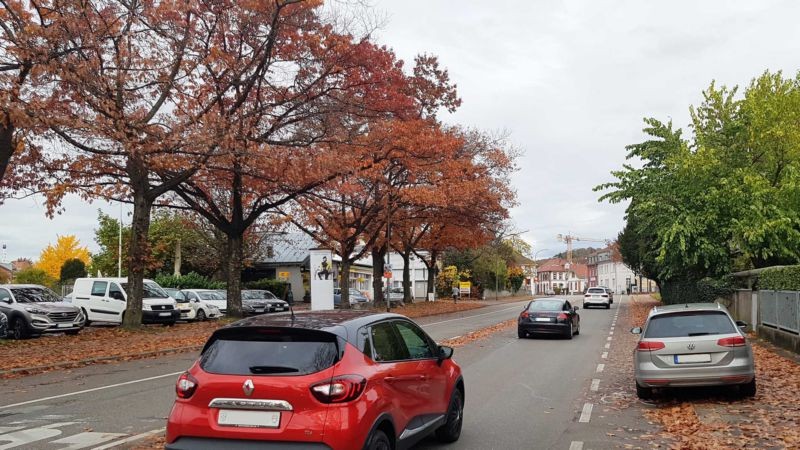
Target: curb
[86,362]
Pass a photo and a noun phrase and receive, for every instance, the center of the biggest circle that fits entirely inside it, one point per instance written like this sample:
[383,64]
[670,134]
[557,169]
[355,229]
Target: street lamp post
[536,267]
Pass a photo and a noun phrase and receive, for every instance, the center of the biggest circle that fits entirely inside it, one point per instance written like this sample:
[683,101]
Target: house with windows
[557,275]
[606,268]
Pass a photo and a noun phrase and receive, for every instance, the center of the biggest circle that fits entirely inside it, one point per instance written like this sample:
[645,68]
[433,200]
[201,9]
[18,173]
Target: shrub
[780,278]
[33,275]
[695,291]
[72,269]
[191,280]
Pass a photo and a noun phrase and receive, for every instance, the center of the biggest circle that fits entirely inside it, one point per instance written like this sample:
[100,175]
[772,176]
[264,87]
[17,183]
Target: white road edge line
[595,384]
[609,338]
[604,355]
[576,445]
[586,414]
[44,399]
[468,317]
[608,345]
[131,439]
[600,367]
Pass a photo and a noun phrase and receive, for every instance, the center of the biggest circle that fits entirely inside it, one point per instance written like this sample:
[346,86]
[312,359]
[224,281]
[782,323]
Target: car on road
[337,380]
[3,325]
[355,296]
[193,309]
[695,344]
[32,310]
[597,296]
[106,299]
[549,316]
[260,301]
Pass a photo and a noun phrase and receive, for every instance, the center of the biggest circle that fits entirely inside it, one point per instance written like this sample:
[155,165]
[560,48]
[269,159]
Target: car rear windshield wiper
[272,369]
[703,333]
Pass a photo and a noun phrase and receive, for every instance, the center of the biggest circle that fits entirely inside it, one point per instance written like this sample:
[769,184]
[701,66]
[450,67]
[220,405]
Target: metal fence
[780,310]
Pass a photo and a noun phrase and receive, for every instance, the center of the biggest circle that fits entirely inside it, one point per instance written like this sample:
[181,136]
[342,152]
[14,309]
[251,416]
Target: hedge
[695,291]
[780,279]
[191,280]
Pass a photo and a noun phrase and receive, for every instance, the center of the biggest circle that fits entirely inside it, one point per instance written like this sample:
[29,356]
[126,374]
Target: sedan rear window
[687,324]
[270,352]
[546,305]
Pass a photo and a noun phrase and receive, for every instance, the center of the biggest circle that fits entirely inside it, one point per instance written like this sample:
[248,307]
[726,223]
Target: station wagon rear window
[688,324]
[270,352]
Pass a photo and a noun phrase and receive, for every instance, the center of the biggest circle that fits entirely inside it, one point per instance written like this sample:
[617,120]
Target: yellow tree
[67,247]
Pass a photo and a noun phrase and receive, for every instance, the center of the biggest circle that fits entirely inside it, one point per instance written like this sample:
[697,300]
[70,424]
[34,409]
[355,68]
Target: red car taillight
[186,385]
[650,346]
[524,315]
[737,341]
[562,316]
[341,389]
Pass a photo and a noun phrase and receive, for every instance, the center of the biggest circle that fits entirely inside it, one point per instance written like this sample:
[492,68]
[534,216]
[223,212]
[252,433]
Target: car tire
[571,332]
[201,316]
[451,430]
[578,330]
[748,390]
[18,330]
[644,393]
[169,324]
[378,441]
[521,334]
[88,322]
[608,306]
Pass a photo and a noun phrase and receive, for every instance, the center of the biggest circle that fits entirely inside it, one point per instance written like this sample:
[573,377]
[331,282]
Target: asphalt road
[520,393]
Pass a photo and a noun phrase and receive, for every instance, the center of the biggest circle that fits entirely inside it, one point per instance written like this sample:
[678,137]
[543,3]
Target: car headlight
[146,307]
[35,310]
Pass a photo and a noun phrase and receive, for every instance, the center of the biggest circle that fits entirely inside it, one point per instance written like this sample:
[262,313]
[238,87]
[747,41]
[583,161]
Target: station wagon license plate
[688,359]
[251,419]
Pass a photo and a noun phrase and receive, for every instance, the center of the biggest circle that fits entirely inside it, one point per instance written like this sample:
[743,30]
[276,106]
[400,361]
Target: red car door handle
[391,379]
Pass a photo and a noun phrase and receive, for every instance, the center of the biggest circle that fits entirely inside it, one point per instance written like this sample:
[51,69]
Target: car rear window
[546,305]
[596,291]
[273,351]
[687,324]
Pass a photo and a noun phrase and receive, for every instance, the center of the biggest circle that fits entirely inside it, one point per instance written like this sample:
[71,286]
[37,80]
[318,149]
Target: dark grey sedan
[549,316]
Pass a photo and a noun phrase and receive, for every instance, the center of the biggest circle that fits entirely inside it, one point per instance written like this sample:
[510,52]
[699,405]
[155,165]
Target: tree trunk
[344,283]
[407,276]
[234,274]
[137,258]
[6,145]
[378,255]
[431,266]
[176,269]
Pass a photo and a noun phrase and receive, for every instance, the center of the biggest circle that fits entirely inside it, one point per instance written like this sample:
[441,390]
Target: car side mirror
[5,300]
[445,352]
[637,330]
[741,324]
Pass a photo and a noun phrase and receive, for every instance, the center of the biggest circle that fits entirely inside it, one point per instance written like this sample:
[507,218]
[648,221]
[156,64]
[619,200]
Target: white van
[105,300]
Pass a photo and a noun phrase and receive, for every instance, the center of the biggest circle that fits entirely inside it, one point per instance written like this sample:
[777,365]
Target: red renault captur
[318,380]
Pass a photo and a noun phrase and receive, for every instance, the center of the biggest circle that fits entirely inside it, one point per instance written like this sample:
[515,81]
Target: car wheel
[748,390]
[88,322]
[378,441]
[451,430]
[608,305]
[570,332]
[169,324]
[578,330]
[521,334]
[644,393]
[201,315]
[18,329]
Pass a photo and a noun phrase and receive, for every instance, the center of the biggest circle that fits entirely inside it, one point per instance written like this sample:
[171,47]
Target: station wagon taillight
[650,346]
[341,389]
[186,385]
[737,341]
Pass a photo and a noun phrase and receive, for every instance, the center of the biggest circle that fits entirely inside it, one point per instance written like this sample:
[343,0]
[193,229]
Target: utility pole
[119,248]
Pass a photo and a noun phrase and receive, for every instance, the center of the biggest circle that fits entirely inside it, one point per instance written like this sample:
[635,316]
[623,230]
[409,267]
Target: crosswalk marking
[87,439]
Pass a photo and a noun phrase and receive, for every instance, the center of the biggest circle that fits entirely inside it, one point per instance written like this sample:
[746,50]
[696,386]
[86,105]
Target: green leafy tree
[72,269]
[34,275]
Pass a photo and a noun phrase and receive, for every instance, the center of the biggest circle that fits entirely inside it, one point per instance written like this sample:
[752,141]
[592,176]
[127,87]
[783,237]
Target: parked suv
[106,299]
[693,345]
[336,380]
[33,310]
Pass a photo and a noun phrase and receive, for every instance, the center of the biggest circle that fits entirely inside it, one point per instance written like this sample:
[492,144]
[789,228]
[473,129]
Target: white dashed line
[604,355]
[576,445]
[595,384]
[608,345]
[586,414]
[609,338]
[454,337]
[600,367]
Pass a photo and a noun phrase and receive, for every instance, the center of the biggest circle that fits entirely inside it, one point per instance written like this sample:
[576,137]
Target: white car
[106,299]
[596,296]
[207,296]
[193,309]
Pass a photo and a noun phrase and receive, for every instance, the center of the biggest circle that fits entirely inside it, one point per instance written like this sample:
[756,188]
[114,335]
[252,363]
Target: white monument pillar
[321,279]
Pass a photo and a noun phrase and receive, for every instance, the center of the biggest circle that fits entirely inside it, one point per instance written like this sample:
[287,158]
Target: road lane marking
[25,437]
[131,439]
[609,338]
[85,391]
[595,384]
[600,367]
[468,317]
[608,345]
[604,355]
[586,414]
[454,337]
[87,439]
[576,445]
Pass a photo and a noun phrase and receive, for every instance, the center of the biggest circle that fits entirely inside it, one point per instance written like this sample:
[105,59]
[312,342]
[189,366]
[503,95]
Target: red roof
[557,265]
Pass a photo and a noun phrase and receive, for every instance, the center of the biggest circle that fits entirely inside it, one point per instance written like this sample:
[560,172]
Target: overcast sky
[569,80]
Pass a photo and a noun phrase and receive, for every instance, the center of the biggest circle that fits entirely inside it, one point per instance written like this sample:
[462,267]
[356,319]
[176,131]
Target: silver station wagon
[696,344]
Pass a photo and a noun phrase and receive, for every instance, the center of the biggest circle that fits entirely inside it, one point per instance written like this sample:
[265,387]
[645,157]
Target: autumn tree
[53,257]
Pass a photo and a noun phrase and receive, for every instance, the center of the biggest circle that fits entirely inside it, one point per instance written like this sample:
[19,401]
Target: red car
[318,380]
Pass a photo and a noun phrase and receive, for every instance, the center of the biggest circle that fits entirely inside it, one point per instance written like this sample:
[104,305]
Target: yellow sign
[464,287]
[283,275]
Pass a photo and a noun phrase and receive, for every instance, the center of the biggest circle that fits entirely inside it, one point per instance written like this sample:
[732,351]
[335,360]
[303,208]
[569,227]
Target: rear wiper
[272,369]
[699,334]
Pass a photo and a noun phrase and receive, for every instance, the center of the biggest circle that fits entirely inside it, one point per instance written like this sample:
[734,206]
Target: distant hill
[579,255]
